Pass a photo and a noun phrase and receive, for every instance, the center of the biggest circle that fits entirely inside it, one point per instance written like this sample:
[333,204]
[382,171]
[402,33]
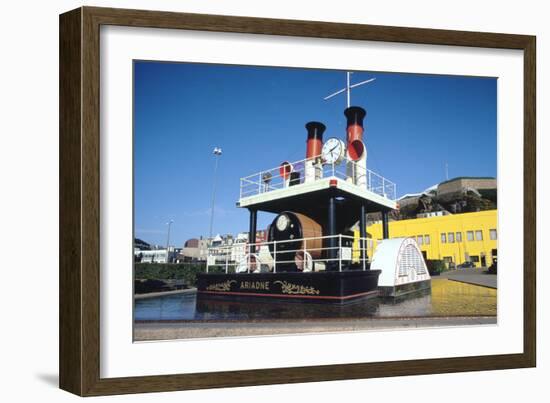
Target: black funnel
[315,130]
[355,115]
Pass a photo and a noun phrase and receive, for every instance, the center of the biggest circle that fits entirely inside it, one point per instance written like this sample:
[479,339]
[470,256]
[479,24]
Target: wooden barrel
[289,226]
[311,229]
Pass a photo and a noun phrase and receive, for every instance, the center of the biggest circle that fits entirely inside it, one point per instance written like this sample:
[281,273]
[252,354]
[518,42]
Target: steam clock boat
[317,248]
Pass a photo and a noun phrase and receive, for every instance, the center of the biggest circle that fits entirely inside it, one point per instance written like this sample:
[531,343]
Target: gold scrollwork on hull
[290,288]
[225,286]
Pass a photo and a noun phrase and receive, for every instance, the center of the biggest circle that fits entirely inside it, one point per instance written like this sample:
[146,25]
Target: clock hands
[333,151]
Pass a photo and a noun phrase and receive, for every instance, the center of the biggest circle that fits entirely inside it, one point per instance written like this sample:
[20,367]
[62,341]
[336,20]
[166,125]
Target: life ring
[303,261]
[249,263]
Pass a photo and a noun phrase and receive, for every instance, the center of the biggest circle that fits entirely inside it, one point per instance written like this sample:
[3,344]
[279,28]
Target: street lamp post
[169,223]
[217,152]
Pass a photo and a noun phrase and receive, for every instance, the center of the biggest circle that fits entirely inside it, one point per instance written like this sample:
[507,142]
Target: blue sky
[415,124]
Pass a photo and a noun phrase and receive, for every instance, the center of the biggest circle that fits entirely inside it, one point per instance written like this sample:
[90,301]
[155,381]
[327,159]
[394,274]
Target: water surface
[447,298]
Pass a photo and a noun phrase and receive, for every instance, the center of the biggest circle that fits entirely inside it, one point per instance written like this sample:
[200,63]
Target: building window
[419,240]
[493,234]
[479,235]
[470,235]
[451,237]
[427,239]
[459,236]
[443,238]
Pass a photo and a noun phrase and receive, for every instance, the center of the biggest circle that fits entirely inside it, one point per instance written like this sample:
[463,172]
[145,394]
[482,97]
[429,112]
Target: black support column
[331,229]
[252,230]
[385,225]
[363,233]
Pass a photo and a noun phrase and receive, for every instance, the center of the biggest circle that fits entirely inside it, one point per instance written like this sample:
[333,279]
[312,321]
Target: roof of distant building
[191,243]
[468,178]
[426,191]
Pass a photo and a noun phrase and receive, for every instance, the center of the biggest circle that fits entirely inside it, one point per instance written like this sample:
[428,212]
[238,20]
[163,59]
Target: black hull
[323,287]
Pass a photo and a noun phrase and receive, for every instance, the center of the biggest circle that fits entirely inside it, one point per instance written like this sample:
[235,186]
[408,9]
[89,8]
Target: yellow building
[455,238]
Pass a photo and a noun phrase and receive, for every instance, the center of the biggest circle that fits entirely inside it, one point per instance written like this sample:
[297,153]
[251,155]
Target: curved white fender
[400,261]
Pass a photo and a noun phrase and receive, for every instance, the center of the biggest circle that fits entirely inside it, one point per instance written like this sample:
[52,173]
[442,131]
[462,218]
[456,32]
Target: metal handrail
[231,256]
[255,184]
[256,244]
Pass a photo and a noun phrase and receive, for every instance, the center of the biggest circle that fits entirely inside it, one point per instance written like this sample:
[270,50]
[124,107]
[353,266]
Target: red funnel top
[355,116]
[315,132]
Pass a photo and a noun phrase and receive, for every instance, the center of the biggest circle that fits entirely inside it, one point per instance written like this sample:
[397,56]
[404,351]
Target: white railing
[313,169]
[262,257]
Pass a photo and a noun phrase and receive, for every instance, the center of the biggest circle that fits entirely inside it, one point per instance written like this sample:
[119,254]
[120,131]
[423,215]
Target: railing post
[369,186]
[331,232]
[259,183]
[274,256]
[226,262]
[304,259]
[248,260]
[365,254]
[207,260]
[363,233]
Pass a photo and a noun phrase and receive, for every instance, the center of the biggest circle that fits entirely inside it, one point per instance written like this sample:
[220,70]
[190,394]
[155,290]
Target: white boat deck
[312,176]
[318,185]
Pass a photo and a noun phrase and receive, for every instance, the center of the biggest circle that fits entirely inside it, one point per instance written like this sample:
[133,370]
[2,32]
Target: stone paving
[178,330]
[472,276]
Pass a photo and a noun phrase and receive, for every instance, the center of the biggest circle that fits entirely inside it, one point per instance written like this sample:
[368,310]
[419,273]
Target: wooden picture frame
[80,199]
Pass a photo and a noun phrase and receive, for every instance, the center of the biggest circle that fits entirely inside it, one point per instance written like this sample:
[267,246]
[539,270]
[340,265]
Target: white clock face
[282,222]
[333,151]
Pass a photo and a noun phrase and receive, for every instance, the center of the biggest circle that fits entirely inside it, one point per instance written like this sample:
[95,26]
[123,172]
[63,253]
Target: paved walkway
[472,276]
[185,330]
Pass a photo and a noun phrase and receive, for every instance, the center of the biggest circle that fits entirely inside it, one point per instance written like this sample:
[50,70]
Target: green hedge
[436,266]
[160,271]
